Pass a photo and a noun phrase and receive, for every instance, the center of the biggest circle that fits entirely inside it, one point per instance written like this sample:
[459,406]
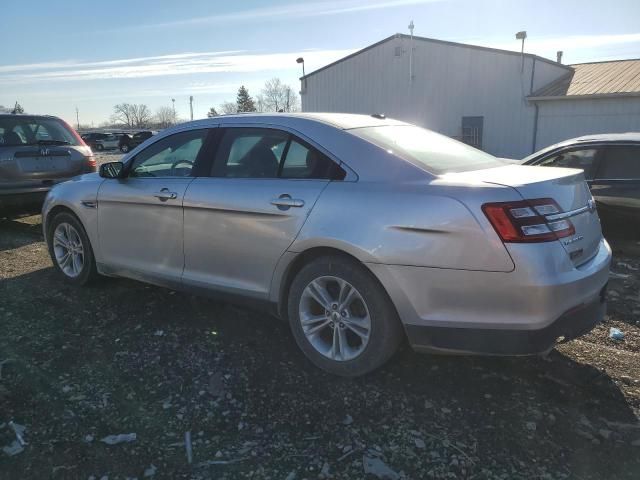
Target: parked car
[128,143]
[36,152]
[359,231]
[611,165]
[110,142]
[91,138]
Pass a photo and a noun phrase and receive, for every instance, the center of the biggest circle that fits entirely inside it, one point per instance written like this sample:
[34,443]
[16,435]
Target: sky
[57,56]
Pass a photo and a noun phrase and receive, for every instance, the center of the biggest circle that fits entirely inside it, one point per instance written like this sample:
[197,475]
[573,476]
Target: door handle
[164,195]
[284,201]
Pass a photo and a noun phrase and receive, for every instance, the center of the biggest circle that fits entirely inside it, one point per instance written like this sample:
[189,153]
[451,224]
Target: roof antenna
[411,26]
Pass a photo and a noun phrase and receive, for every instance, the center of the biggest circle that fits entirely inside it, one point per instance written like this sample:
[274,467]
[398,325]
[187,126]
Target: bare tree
[141,115]
[278,97]
[122,115]
[131,115]
[4,109]
[260,103]
[165,117]
[229,107]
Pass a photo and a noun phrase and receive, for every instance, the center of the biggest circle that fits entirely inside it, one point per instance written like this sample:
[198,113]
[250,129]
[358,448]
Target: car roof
[628,137]
[343,121]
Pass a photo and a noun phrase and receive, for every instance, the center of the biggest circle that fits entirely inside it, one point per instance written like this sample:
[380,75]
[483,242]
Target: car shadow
[169,361]
[19,231]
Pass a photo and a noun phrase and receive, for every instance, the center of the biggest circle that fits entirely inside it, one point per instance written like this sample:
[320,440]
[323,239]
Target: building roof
[592,80]
[433,40]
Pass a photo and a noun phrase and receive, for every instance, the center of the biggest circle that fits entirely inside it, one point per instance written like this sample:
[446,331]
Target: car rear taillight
[90,164]
[525,221]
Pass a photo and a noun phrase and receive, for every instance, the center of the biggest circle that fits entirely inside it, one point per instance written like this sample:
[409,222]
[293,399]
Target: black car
[611,165]
[130,142]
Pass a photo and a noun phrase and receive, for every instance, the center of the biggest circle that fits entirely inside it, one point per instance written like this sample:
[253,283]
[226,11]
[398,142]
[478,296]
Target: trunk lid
[564,185]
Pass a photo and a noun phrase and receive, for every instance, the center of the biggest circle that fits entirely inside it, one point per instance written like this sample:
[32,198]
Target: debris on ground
[376,467]
[616,334]
[120,438]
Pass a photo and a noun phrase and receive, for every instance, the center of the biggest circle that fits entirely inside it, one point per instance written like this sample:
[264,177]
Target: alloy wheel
[335,318]
[68,249]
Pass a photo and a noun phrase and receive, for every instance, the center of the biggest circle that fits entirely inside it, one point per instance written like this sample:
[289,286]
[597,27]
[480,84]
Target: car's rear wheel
[99,147]
[71,250]
[124,148]
[342,318]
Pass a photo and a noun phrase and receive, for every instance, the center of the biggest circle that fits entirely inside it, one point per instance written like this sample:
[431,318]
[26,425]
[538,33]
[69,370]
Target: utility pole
[191,105]
[411,27]
[521,36]
[173,100]
[78,118]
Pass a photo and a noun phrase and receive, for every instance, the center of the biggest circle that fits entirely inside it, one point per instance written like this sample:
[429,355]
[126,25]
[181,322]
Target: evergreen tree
[244,101]
[17,109]
[212,112]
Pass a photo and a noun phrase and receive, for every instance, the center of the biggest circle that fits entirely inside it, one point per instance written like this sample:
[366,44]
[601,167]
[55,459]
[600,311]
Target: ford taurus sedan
[358,230]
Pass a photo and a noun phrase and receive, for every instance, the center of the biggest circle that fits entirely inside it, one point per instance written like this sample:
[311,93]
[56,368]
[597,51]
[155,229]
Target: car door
[140,219]
[243,217]
[616,186]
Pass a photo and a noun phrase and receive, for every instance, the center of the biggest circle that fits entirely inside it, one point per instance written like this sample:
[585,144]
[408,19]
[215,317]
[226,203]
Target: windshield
[428,150]
[19,131]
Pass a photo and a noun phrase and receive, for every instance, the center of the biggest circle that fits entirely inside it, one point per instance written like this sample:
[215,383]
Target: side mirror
[112,170]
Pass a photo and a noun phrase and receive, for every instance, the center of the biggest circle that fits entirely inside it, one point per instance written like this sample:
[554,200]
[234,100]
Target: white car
[360,231]
[110,142]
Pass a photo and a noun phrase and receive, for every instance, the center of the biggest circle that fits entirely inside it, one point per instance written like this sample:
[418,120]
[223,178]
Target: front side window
[173,156]
[584,159]
[269,153]
[620,163]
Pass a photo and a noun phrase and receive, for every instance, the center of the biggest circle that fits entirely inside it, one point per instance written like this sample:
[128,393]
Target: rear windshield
[20,131]
[428,150]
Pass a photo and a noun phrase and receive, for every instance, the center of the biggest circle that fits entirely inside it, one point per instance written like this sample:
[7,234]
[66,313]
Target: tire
[124,148]
[99,147]
[370,300]
[83,275]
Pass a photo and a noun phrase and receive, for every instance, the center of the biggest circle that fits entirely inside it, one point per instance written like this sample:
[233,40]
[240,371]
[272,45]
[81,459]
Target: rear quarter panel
[409,223]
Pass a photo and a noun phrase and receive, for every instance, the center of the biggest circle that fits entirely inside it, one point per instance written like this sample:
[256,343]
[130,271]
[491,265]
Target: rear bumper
[23,201]
[518,312]
[570,325]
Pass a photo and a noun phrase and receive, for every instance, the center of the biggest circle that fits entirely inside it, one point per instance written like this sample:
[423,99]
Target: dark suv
[128,143]
[36,152]
[611,165]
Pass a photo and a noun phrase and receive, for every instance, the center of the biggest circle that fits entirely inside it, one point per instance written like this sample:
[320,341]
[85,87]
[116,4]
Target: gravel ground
[79,365]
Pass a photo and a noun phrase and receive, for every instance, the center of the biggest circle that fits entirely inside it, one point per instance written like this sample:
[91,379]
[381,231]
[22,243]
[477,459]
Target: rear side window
[584,159]
[270,153]
[620,163]
[428,150]
[20,131]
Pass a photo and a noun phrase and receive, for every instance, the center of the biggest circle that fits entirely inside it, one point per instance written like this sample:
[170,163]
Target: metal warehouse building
[504,102]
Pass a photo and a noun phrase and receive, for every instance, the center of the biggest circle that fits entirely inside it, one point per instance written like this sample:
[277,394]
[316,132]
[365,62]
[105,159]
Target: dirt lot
[123,357]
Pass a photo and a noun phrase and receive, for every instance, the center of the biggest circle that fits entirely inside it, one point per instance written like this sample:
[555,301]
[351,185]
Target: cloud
[164,65]
[292,10]
[574,44]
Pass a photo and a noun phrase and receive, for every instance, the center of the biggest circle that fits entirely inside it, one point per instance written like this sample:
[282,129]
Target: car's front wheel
[99,147]
[342,318]
[124,148]
[71,250]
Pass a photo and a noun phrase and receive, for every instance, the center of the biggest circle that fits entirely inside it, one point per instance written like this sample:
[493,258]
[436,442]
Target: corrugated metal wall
[562,119]
[449,82]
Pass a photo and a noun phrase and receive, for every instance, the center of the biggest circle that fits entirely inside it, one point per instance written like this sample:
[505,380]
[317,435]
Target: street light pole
[191,106]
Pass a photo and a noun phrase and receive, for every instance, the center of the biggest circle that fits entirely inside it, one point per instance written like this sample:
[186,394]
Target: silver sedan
[359,231]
